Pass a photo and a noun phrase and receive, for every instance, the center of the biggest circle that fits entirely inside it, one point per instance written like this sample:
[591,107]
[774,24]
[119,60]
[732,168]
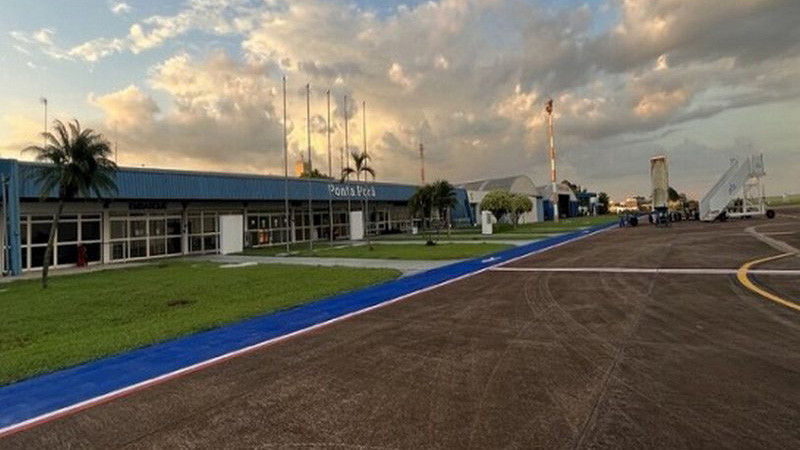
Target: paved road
[504,359]
[514,242]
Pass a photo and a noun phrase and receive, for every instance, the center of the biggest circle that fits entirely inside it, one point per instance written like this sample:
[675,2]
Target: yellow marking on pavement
[741,274]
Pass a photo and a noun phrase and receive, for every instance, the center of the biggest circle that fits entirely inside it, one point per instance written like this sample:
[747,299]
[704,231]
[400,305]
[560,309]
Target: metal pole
[116,140]
[43,100]
[346,143]
[554,196]
[4,231]
[287,226]
[364,125]
[330,167]
[328,133]
[308,126]
[366,174]
[347,162]
[422,163]
[310,169]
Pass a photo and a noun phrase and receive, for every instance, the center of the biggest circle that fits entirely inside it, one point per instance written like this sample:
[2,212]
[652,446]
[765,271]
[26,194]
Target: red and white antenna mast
[552,146]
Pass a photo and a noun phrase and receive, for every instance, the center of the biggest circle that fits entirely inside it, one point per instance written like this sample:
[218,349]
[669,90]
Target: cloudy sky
[197,84]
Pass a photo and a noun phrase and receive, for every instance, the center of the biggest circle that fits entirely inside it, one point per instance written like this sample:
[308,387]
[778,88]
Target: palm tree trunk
[366,208]
[48,253]
[449,225]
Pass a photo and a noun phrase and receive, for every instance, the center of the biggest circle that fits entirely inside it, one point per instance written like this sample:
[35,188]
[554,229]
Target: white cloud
[97,49]
[398,76]
[218,17]
[662,67]
[42,40]
[129,108]
[121,8]
[442,63]
[43,36]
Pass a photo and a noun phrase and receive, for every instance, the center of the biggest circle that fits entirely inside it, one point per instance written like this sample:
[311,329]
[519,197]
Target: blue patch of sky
[385,9]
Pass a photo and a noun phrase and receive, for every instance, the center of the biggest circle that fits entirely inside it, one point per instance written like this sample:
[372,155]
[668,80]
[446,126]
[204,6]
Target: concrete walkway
[515,243]
[61,271]
[407,267]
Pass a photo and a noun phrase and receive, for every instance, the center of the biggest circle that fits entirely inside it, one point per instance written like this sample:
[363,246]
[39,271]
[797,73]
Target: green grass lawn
[83,317]
[504,231]
[396,251]
[535,230]
[464,236]
[778,200]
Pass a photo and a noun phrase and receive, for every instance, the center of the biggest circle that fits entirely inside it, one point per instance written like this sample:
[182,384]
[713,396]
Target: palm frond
[346,172]
[63,141]
[77,163]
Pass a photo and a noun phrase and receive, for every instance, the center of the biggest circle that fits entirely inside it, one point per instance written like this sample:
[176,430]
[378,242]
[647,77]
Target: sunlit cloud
[442,72]
[121,8]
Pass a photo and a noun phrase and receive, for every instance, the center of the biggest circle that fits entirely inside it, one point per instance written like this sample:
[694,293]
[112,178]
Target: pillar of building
[10,170]
[105,235]
[185,230]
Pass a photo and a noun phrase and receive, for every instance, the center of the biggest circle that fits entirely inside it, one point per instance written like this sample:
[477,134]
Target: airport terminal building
[158,213]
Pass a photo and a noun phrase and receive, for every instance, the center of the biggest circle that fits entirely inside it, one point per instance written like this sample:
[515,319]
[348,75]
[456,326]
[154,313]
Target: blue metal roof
[140,184]
[160,184]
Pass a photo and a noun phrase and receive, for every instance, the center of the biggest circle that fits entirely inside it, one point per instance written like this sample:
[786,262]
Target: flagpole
[364,125]
[328,132]
[287,226]
[346,144]
[330,167]
[366,174]
[116,147]
[310,169]
[347,162]
[43,100]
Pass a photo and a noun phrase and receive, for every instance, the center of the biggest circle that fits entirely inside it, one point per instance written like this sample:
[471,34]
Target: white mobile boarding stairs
[739,193]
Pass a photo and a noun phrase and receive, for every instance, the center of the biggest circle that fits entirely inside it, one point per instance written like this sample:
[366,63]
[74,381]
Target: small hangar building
[520,184]
[567,201]
[159,213]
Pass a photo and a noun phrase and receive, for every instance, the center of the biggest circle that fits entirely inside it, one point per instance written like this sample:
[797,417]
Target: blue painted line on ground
[43,394]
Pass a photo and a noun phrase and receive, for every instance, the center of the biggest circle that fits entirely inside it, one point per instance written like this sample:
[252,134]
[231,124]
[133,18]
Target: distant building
[520,184]
[588,204]
[631,204]
[567,201]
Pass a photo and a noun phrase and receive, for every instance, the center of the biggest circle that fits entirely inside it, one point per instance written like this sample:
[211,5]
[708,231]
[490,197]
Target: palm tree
[360,161]
[444,199]
[77,164]
[422,203]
